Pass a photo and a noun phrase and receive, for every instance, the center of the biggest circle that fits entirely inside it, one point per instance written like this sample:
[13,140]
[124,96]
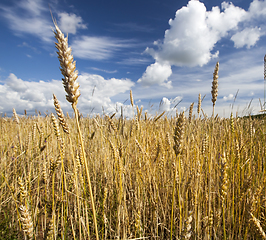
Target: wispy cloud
[33,17]
[28,17]
[135,61]
[98,48]
[131,27]
[103,70]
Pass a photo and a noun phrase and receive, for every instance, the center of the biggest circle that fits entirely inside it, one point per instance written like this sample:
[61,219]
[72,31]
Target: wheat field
[181,177]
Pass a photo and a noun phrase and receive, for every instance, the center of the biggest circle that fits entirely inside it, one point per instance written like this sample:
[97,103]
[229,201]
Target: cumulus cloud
[101,92]
[169,104]
[165,104]
[194,32]
[156,73]
[16,84]
[96,93]
[257,9]
[70,22]
[248,37]
[229,97]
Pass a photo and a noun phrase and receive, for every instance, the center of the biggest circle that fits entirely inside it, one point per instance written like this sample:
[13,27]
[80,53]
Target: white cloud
[30,17]
[257,9]
[35,7]
[97,48]
[27,16]
[96,92]
[169,105]
[165,105]
[104,93]
[248,37]
[16,84]
[156,73]
[70,22]
[229,97]
[103,70]
[194,33]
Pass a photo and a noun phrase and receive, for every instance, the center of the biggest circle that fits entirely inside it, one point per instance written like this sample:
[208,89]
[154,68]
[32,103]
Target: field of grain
[107,177]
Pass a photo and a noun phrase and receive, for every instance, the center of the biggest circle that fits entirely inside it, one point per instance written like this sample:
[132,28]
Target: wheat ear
[60,115]
[26,220]
[68,67]
[199,105]
[179,133]
[258,227]
[131,99]
[214,91]
[190,112]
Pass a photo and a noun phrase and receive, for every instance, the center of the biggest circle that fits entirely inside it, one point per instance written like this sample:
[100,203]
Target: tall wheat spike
[199,105]
[214,90]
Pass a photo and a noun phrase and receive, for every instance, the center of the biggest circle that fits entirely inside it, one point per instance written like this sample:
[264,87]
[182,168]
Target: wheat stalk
[70,75]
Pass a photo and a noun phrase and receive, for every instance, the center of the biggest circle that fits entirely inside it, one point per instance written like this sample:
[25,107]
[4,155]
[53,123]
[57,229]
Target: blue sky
[164,51]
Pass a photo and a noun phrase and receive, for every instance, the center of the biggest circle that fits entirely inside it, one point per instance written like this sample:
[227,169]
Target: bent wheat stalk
[70,74]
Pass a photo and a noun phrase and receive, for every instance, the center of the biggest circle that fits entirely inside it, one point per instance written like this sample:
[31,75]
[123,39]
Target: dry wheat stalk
[68,70]
[223,177]
[158,117]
